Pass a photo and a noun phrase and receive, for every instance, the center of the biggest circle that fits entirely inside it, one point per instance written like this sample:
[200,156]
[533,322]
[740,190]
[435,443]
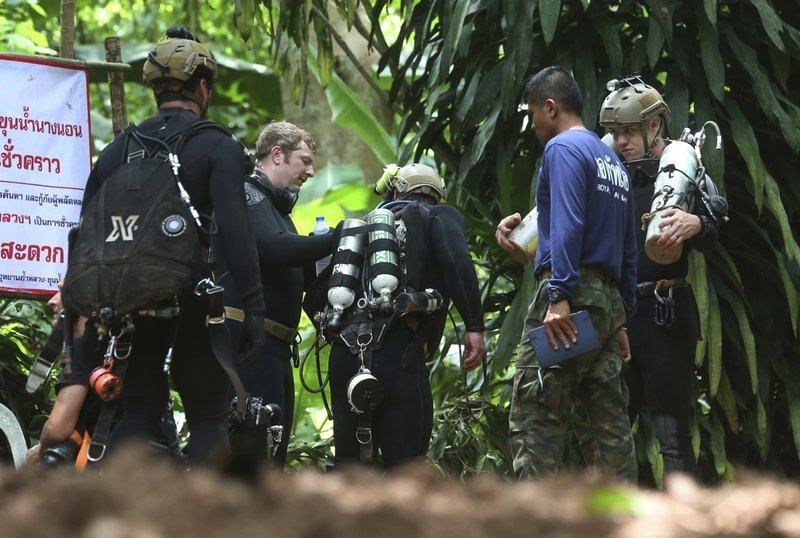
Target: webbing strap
[341,279]
[220,344]
[102,430]
[349,257]
[377,227]
[383,269]
[378,245]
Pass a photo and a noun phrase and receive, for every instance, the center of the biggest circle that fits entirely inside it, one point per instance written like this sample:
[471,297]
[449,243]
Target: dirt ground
[136,496]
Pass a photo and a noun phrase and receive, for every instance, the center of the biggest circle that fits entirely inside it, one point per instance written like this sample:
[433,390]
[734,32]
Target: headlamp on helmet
[411,178]
[632,101]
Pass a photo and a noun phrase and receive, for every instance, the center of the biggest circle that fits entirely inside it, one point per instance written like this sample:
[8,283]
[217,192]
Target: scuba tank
[680,171]
[426,301]
[346,275]
[383,268]
[674,189]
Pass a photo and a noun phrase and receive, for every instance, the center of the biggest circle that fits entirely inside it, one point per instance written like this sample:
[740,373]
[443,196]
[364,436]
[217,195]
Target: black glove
[252,337]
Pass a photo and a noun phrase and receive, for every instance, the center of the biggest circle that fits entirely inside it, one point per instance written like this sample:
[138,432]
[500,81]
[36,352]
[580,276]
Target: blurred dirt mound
[139,497]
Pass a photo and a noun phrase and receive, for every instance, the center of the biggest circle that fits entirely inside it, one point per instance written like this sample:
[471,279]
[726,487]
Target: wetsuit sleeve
[567,215]
[630,259]
[707,240]
[277,246]
[228,168]
[449,242]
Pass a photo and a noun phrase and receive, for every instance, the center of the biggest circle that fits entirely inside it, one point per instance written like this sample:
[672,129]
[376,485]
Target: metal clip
[665,306]
[202,286]
[364,435]
[92,445]
[123,350]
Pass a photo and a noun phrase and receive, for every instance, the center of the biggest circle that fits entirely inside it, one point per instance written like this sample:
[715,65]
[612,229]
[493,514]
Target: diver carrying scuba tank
[139,266]
[681,209]
[383,311]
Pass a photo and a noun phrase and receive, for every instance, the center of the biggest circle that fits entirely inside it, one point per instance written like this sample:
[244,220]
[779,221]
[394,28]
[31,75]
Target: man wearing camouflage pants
[586,260]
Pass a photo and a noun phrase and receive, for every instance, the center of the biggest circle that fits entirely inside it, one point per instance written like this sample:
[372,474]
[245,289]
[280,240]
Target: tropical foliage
[456,69]
[452,72]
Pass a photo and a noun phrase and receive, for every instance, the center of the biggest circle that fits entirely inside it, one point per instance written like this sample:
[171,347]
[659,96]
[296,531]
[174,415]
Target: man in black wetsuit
[284,162]
[181,71]
[661,369]
[437,257]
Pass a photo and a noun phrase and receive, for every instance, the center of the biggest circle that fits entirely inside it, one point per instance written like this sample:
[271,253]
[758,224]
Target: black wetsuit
[212,168]
[287,264]
[402,423]
[660,373]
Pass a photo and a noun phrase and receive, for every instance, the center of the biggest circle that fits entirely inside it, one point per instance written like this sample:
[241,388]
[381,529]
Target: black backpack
[138,242]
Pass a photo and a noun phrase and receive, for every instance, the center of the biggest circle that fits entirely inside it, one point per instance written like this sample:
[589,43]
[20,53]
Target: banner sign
[44,163]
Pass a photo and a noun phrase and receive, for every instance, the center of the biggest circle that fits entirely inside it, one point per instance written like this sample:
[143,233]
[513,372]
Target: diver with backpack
[139,269]
[382,305]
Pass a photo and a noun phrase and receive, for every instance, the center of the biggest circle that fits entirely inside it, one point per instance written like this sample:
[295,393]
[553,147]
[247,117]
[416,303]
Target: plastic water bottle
[321,227]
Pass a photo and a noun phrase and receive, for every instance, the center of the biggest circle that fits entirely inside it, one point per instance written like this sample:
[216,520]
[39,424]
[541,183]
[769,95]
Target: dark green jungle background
[440,80]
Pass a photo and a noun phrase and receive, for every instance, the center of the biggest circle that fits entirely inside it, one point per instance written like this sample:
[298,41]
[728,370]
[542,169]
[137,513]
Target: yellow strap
[274,328]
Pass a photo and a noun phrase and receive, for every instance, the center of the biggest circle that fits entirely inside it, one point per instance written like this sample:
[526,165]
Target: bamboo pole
[67,28]
[100,66]
[116,84]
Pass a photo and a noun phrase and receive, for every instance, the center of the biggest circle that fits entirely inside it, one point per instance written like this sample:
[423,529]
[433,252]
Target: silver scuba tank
[383,265]
[674,188]
[679,180]
[342,296]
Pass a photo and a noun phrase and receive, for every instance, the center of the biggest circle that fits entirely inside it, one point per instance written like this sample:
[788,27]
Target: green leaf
[780,66]
[699,281]
[653,452]
[718,445]
[655,41]
[677,93]
[243,17]
[791,382]
[662,11]
[727,402]
[609,35]
[776,207]
[549,10]
[586,76]
[586,4]
[696,439]
[454,26]
[762,87]
[513,323]
[770,21]
[714,341]
[745,140]
[721,256]
[349,110]
[789,288]
[761,429]
[485,132]
[711,57]
[710,9]
[748,339]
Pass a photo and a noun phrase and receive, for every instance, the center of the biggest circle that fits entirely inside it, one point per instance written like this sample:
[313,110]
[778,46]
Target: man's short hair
[554,83]
[285,135]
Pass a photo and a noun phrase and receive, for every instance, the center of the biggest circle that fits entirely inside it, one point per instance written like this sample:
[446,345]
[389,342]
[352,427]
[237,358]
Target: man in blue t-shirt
[586,260]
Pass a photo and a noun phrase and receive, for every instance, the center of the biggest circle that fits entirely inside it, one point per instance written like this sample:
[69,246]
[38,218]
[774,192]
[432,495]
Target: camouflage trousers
[586,392]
